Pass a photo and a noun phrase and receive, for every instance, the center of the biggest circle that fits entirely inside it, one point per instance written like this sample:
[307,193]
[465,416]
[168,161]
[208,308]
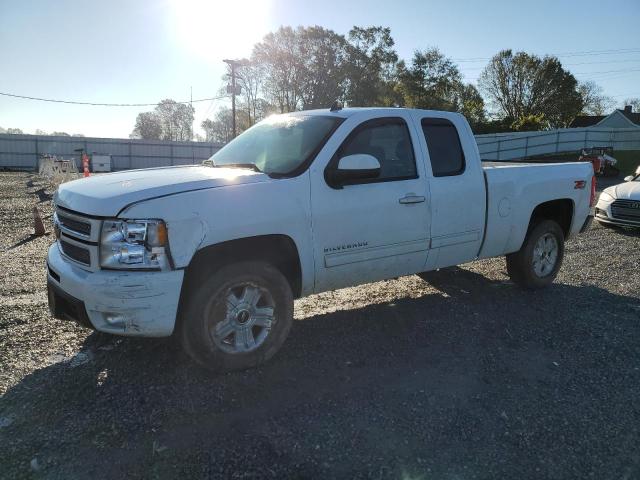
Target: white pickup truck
[298,204]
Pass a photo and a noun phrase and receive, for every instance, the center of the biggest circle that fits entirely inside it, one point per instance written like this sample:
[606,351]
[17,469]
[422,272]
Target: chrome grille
[78,237]
[75,226]
[79,254]
[626,210]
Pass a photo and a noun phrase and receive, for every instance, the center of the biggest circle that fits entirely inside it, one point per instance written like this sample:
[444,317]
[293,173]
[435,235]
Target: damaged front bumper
[130,303]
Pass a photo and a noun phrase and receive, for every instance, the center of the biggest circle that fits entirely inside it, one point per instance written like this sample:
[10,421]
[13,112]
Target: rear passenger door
[458,190]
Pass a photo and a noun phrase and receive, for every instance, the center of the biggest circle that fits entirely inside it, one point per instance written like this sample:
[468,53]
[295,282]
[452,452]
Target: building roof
[633,116]
[586,121]
[591,120]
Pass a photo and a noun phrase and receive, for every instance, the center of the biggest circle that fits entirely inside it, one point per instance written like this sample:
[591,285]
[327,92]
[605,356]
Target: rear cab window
[443,143]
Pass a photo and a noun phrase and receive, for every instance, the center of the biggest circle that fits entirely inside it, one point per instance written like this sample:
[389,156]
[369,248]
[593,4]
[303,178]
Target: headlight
[134,244]
[605,197]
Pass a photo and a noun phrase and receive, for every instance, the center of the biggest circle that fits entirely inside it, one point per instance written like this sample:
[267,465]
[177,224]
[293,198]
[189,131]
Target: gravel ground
[463,377]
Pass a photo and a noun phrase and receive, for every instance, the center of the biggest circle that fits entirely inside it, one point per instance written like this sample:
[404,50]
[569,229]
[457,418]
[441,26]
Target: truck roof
[347,112]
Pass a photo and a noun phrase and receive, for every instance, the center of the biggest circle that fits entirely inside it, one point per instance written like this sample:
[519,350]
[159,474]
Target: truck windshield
[280,145]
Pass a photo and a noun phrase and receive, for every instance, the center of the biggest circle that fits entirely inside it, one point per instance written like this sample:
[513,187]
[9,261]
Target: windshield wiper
[251,166]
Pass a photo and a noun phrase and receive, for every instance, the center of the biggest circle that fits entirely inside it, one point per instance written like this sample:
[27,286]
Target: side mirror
[359,166]
[628,178]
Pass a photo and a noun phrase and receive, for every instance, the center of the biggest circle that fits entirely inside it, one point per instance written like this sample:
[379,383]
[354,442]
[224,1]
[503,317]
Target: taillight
[593,191]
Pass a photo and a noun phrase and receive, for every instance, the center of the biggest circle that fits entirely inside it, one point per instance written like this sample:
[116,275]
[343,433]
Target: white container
[101,163]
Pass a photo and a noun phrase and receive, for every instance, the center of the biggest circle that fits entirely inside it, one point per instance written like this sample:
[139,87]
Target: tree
[322,75]
[595,102]
[3,130]
[250,77]
[469,102]
[170,120]
[634,103]
[529,123]
[279,54]
[148,126]
[14,131]
[176,120]
[60,134]
[521,85]
[220,129]
[370,66]
[432,81]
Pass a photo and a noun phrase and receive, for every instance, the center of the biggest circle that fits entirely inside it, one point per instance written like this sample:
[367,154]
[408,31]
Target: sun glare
[220,29]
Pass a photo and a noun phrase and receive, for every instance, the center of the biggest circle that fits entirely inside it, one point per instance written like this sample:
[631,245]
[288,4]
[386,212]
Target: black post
[234,90]
[233,97]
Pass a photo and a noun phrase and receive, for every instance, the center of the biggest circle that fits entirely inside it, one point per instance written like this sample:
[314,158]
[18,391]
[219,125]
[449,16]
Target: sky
[143,51]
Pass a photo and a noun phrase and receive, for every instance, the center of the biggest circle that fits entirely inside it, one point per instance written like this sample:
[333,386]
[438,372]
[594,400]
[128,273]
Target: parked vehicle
[298,204]
[603,163]
[619,206]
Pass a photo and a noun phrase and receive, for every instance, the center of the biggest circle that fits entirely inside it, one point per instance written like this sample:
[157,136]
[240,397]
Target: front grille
[83,228]
[79,254]
[626,210]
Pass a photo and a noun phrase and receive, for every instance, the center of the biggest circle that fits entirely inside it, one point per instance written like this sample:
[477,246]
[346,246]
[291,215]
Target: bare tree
[148,126]
[250,76]
[595,102]
[634,103]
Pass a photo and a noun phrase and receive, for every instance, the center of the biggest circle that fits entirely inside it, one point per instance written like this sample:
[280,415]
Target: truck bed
[514,188]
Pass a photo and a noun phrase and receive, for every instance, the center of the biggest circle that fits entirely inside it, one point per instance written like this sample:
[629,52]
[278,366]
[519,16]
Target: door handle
[412,199]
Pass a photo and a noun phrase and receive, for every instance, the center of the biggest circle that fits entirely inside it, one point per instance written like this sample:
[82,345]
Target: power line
[73,102]
[566,54]
[465,68]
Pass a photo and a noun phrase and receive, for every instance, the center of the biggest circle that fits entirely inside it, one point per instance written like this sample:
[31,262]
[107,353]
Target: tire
[520,265]
[226,322]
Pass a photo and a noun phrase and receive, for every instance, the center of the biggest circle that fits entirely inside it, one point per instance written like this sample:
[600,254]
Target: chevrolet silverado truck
[300,203]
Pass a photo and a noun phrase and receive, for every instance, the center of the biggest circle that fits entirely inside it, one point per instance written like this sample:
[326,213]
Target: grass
[628,160]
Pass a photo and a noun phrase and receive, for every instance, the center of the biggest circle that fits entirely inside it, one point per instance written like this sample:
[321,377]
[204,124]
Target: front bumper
[141,304]
[603,214]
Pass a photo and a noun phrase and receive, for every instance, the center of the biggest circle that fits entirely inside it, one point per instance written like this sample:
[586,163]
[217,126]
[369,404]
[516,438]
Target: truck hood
[625,191]
[106,195]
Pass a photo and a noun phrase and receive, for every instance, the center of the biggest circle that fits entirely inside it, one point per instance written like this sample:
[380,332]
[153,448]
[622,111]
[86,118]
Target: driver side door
[371,229]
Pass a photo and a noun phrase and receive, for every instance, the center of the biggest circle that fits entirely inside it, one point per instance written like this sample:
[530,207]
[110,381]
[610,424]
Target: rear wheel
[537,263]
[237,318]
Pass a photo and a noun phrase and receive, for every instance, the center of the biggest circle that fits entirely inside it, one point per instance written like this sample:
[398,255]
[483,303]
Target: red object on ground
[85,165]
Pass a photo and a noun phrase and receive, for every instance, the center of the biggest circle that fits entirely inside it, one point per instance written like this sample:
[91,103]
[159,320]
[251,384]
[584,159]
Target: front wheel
[238,318]
[537,263]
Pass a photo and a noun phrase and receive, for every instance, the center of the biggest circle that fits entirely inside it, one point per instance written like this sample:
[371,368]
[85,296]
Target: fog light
[114,319]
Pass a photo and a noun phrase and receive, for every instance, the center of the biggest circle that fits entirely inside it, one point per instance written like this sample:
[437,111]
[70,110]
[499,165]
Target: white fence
[518,145]
[24,151]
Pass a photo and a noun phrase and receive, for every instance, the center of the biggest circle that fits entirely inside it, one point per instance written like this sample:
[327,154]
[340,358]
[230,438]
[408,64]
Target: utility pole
[234,90]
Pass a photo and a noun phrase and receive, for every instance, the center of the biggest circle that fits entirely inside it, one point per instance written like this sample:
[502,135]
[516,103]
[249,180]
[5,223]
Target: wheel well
[278,250]
[560,211]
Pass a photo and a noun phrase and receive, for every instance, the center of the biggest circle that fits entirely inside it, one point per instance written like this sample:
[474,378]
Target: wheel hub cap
[545,255]
[248,318]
